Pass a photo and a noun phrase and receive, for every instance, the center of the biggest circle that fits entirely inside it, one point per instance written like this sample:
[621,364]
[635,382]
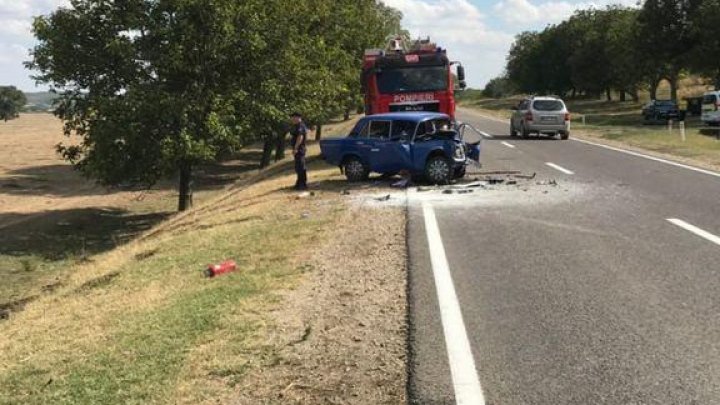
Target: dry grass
[139,324]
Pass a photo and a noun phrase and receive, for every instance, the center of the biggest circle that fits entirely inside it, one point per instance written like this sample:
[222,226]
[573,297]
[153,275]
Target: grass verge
[138,323]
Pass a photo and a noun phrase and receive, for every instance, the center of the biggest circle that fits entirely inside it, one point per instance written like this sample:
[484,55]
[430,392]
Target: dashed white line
[644,156]
[466,382]
[509,145]
[694,229]
[559,168]
[485,134]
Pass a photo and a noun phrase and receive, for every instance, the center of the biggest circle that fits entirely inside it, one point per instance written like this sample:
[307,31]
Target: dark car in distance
[662,110]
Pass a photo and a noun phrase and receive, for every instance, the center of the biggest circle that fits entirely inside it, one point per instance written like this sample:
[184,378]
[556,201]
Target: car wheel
[438,170]
[525,132]
[355,170]
[564,135]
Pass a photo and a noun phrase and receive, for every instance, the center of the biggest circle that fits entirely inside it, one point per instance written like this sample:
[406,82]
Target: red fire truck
[409,76]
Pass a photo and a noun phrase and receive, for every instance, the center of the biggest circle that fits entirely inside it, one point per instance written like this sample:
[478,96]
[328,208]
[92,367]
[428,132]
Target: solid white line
[559,168]
[485,134]
[657,159]
[694,229]
[462,364]
[509,145]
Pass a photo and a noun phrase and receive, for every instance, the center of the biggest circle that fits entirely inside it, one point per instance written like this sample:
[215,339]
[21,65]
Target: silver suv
[540,115]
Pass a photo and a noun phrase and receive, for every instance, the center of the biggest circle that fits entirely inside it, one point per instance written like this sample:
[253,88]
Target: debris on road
[401,183]
[383,198]
[525,176]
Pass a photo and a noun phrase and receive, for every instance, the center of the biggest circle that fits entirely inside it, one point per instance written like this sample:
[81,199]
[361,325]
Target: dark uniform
[299,131]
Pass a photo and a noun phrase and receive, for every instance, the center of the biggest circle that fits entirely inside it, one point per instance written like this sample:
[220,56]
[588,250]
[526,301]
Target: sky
[478,33]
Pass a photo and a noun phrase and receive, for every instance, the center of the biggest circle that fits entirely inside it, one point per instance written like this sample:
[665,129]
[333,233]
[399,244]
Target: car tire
[438,170]
[564,135]
[525,132]
[355,170]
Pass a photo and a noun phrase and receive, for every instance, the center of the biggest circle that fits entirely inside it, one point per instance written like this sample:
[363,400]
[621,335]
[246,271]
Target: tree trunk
[346,114]
[653,88]
[280,146]
[267,152]
[673,88]
[185,200]
[574,93]
[622,95]
[634,95]
[608,94]
[318,133]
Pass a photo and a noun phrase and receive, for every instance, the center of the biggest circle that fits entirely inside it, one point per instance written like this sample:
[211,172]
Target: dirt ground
[340,337]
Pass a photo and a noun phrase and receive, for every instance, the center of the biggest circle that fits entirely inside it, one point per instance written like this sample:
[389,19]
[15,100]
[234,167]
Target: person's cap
[296,114]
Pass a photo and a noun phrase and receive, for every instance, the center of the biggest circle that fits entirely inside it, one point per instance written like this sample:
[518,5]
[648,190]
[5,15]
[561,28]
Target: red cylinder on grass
[217,269]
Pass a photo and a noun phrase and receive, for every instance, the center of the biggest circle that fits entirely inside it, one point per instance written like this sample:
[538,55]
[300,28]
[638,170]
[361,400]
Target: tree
[499,87]
[706,29]
[11,101]
[149,87]
[665,39]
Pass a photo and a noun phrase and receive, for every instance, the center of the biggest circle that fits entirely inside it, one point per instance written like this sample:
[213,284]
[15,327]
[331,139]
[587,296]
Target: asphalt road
[583,294]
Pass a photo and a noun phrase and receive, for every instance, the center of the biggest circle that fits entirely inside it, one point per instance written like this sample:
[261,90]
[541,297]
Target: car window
[432,126]
[402,129]
[360,130]
[709,99]
[548,105]
[665,102]
[379,129]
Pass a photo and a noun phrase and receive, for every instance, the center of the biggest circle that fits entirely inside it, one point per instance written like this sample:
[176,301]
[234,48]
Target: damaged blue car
[428,145]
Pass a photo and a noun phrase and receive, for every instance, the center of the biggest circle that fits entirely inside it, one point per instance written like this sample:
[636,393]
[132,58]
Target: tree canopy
[11,101]
[154,88]
[625,49]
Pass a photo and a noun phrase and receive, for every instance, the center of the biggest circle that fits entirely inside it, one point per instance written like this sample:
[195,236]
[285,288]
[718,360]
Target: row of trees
[624,49]
[11,101]
[154,88]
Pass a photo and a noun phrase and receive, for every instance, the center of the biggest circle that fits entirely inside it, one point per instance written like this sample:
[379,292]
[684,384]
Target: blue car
[425,144]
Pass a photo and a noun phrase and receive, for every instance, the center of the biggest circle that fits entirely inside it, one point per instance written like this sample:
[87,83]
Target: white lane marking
[509,145]
[657,159]
[559,168]
[694,229]
[485,134]
[462,364]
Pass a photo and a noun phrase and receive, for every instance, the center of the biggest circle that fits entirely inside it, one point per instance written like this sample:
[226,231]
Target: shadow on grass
[62,180]
[63,234]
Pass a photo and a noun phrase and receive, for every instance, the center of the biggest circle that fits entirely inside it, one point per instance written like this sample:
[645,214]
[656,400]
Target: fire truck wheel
[438,170]
[354,169]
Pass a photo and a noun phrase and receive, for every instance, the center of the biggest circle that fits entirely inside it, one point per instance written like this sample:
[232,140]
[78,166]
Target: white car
[540,115]
[710,104]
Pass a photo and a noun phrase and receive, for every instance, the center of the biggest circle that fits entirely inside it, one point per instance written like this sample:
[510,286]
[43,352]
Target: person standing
[298,133]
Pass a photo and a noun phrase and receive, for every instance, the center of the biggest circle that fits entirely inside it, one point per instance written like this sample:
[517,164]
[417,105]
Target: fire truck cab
[410,76]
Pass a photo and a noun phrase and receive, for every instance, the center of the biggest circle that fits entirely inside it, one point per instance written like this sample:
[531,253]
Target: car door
[378,131]
[391,150]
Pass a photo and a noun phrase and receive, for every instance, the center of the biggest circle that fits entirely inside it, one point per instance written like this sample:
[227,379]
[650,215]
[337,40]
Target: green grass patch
[141,358]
